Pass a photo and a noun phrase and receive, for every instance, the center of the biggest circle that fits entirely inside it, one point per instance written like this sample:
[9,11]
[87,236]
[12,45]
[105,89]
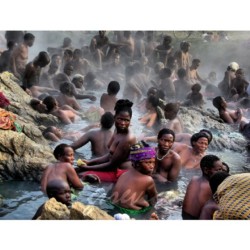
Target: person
[164,50]
[198,190]
[193,75]
[19,57]
[110,166]
[135,189]
[99,46]
[166,84]
[63,169]
[227,115]
[232,198]
[226,84]
[150,119]
[168,162]
[65,113]
[108,100]
[183,56]
[211,206]
[58,189]
[38,105]
[32,72]
[5,57]
[244,128]
[191,155]
[99,138]
[194,98]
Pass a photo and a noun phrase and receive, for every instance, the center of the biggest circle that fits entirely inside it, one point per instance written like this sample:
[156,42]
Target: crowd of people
[154,79]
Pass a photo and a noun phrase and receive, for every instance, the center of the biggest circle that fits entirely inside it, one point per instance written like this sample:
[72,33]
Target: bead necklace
[159,159]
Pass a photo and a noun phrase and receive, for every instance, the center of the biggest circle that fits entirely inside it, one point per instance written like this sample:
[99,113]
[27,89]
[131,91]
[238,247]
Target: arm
[44,180]
[175,170]
[152,120]
[73,178]
[225,116]
[152,193]
[81,141]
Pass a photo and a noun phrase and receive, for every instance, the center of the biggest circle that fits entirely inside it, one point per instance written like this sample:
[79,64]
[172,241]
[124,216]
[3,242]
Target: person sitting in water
[191,155]
[194,98]
[211,206]
[111,165]
[227,115]
[65,114]
[63,169]
[99,138]
[58,189]
[135,189]
[108,100]
[198,190]
[168,162]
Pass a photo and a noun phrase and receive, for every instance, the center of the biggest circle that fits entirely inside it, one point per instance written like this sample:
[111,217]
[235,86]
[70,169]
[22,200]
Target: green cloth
[130,211]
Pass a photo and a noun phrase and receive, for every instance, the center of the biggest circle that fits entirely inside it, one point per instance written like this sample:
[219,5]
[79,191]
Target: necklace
[159,159]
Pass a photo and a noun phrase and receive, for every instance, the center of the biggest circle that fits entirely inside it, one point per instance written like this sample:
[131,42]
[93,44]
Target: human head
[123,115]
[50,103]
[181,73]
[38,105]
[152,102]
[43,59]
[152,91]
[64,153]
[239,73]
[141,153]
[210,164]
[165,73]
[52,133]
[66,88]
[77,53]
[60,190]
[166,138]
[219,102]
[171,110]
[209,133]
[233,66]
[167,40]
[66,42]
[107,120]
[225,167]
[78,80]
[185,46]
[68,69]
[11,45]
[196,63]
[29,39]
[113,88]
[196,88]
[196,136]
[216,179]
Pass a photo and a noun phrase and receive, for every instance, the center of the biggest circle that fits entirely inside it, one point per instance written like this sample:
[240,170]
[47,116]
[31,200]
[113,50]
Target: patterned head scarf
[141,151]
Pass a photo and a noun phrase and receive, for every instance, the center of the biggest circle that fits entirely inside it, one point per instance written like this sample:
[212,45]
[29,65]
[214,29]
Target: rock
[54,210]
[80,211]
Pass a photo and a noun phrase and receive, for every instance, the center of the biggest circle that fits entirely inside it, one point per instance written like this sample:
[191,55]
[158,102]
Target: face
[169,114]
[122,121]
[152,92]
[201,144]
[147,166]
[64,195]
[68,156]
[218,166]
[165,142]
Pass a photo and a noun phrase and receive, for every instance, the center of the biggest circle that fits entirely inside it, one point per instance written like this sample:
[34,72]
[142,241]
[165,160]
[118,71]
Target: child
[108,100]
[62,169]
[198,190]
[133,186]
[59,190]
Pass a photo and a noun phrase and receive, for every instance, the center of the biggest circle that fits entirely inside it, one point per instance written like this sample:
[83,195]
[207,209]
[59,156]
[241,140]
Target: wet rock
[80,211]
[54,210]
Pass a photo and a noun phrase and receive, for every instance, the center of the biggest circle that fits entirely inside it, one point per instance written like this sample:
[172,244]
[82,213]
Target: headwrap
[141,151]
[4,102]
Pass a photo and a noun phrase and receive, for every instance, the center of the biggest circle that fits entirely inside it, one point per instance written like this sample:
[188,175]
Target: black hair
[28,36]
[107,120]
[217,101]
[66,88]
[216,179]
[113,87]
[227,167]
[165,131]
[196,87]
[54,186]
[208,161]
[59,150]
[50,102]
[154,100]
[208,132]
[165,72]
[123,105]
[196,136]
[181,72]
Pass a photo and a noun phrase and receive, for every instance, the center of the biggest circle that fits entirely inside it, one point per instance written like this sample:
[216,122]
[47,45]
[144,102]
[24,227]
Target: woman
[109,167]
